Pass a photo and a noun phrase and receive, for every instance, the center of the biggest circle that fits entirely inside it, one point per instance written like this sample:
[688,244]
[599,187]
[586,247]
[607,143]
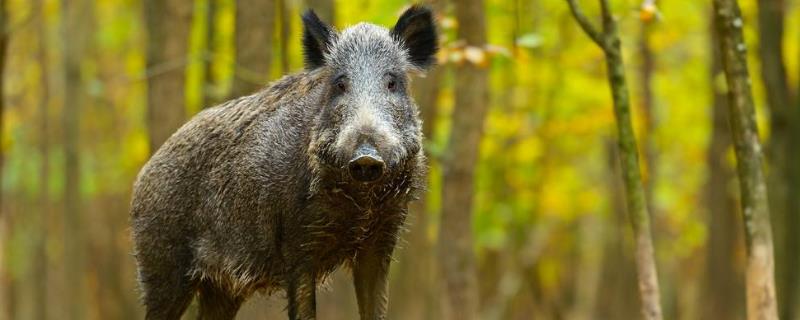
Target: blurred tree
[646,71]
[168,23]
[6,291]
[616,287]
[285,38]
[760,282]
[4,35]
[648,17]
[783,152]
[38,276]
[722,287]
[77,19]
[255,26]
[209,86]
[471,104]
[608,40]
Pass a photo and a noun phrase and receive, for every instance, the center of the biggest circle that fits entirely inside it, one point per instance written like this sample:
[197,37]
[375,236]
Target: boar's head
[369,126]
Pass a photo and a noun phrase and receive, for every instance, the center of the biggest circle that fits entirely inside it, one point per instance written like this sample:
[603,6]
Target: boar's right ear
[416,30]
[317,37]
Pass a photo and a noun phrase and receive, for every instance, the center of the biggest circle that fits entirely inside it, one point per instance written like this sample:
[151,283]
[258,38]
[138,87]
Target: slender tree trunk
[286,31]
[78,29]
[646,70]
[617,288]
[168,23]
[761,302]
[6,291]
[723,287]
[255,26]
[39,272]
[794,206]
[650,149]
[210,96]
[427,91]
[634,192]
[610,43]
[587,273]
[783,152]
[471,102]
[4,35]
[109,258]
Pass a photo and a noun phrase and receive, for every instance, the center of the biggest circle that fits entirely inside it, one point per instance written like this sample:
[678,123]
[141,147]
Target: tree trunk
[4,35]
[634,191]
[39,273]
[636,202]
[589,265]
[782,153]
[427,96]
[794,206]
[77,19]
[471,104]
[168,23]
[650,150]
[210,96]
[761,302]
[617,288]
[6,291]
[255,26]
[285,35]
[646,71]
[723,287]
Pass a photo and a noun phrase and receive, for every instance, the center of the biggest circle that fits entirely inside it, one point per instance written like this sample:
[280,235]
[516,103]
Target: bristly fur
[417,31]
[317,36]
[255,195]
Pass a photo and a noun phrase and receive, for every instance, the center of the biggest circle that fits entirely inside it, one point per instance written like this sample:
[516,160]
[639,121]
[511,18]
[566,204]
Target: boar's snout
[367,165]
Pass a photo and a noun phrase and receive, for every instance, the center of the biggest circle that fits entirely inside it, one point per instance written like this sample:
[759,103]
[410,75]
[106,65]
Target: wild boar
[275,190]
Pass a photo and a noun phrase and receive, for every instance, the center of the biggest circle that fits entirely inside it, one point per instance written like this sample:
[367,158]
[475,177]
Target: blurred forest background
[91,88]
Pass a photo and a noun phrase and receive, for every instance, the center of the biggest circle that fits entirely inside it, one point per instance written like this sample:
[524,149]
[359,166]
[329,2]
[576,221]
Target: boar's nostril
[366,168]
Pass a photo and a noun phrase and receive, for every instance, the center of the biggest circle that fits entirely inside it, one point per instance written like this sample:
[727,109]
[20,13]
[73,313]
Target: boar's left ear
[317,36]
[416,31]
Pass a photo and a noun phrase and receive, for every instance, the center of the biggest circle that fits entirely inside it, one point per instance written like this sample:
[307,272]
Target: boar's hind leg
[164,278]
[301,293]
[166,297]
[216,303]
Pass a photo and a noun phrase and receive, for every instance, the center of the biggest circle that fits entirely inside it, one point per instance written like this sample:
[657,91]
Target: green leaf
[530,40]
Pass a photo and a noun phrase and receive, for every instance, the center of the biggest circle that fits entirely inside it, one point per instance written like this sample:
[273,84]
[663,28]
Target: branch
[608,18]
[586,25]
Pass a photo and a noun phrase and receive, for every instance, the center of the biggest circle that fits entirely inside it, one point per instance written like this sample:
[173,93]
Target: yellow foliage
[648,12]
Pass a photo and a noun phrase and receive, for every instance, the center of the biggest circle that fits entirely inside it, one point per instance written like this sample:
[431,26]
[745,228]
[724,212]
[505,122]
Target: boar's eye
[340,83]
[391,83]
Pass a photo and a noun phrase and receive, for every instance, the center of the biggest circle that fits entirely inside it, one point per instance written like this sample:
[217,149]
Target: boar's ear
[317,37]
[416,31]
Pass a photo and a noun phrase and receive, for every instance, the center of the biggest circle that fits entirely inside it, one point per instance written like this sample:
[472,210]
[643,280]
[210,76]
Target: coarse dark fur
[255,194]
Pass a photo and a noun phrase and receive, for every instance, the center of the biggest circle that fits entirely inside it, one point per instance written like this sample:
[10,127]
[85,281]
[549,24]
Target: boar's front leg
[370,270]
[301,293]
